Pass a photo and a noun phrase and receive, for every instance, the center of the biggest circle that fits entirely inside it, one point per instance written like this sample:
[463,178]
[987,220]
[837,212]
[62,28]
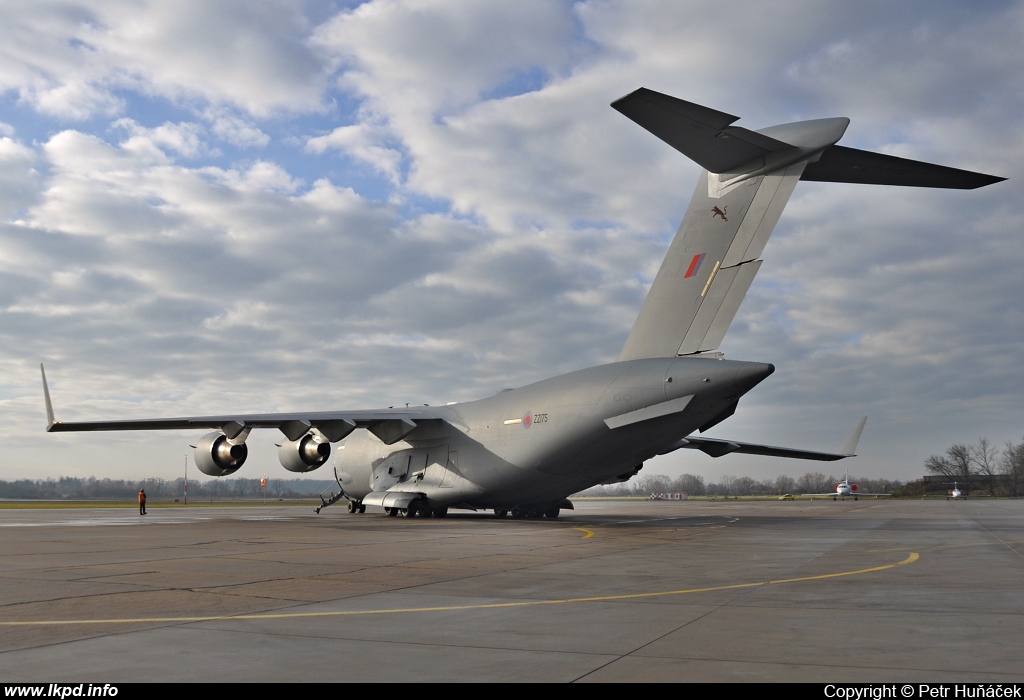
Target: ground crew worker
[142,502]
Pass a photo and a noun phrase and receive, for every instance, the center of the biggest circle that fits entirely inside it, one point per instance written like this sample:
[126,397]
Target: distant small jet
[955,493]
[844,488]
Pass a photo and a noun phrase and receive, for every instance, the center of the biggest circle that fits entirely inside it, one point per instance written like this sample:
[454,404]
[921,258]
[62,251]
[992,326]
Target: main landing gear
[419,508]
[520,512]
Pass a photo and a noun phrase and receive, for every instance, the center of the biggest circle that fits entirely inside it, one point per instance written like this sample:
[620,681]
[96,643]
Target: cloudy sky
[253,207]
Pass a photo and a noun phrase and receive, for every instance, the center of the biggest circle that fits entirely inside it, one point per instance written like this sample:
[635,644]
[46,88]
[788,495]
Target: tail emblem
[715,211]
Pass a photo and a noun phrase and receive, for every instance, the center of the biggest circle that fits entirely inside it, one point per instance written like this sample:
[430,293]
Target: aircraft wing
[390,425]
[718,448]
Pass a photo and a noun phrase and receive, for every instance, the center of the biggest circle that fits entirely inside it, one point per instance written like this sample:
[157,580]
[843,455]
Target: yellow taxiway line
[914,556]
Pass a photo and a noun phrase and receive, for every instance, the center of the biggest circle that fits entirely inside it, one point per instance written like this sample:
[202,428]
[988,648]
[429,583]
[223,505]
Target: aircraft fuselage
[537,444]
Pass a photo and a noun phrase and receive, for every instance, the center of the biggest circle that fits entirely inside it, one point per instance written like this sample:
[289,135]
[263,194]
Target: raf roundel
[528,419]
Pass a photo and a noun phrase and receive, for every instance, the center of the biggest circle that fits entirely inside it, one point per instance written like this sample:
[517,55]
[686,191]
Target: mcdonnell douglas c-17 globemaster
[526,450]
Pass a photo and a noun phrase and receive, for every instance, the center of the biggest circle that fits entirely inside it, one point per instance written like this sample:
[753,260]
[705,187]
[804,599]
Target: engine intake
[216,455]
[307,453]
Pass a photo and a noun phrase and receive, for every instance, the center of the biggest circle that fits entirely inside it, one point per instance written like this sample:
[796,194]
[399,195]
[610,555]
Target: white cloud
[237,131]
[361,141]
[522,217]
[19,179]
[182,139]
[69,59]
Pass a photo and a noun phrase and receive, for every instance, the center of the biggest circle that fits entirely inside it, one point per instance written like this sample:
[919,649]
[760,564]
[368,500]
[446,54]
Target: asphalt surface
[906,591]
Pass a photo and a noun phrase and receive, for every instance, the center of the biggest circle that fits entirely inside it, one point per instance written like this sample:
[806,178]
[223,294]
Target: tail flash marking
[694,265]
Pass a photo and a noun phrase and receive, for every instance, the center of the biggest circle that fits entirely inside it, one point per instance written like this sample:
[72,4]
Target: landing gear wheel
[500,512]
[352,506]
[362,508]
[552,512]
[392,512]
[441,512]
[518,513]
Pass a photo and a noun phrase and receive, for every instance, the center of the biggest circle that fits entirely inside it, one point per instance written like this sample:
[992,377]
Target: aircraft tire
[441,512]
[500,512]
[552,512]
[392,512]
[362,508]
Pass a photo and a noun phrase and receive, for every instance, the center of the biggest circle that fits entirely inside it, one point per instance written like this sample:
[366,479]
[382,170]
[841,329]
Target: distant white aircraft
[844,488]
[955,492]
[526,450]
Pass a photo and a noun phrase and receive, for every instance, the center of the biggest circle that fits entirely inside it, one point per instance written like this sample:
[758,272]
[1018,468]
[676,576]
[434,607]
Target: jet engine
[307,453]
[216,455]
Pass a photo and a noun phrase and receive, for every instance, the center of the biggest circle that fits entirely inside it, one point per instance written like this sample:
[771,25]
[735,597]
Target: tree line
[981,466]
[91,488]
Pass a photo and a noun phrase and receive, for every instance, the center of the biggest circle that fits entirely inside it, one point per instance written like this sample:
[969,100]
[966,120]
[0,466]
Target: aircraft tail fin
[748,179]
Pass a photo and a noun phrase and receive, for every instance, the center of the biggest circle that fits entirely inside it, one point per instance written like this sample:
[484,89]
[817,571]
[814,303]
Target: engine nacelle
[216,456]
[307,453]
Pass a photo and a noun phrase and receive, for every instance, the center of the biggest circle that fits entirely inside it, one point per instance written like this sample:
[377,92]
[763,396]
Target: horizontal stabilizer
[701,134]
[842,164]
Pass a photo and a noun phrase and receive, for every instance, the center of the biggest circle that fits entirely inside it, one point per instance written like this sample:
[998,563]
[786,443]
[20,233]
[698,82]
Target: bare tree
[689,484]
[955,465]
[744,486]
[814,482]
[1011,466]
[652,483]
[785,484]
[986,459]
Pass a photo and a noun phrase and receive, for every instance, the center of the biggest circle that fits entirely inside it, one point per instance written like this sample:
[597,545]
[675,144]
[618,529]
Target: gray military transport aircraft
[526,450]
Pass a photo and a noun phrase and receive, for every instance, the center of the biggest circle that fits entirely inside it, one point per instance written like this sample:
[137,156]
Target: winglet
[849,447]
[50,421]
